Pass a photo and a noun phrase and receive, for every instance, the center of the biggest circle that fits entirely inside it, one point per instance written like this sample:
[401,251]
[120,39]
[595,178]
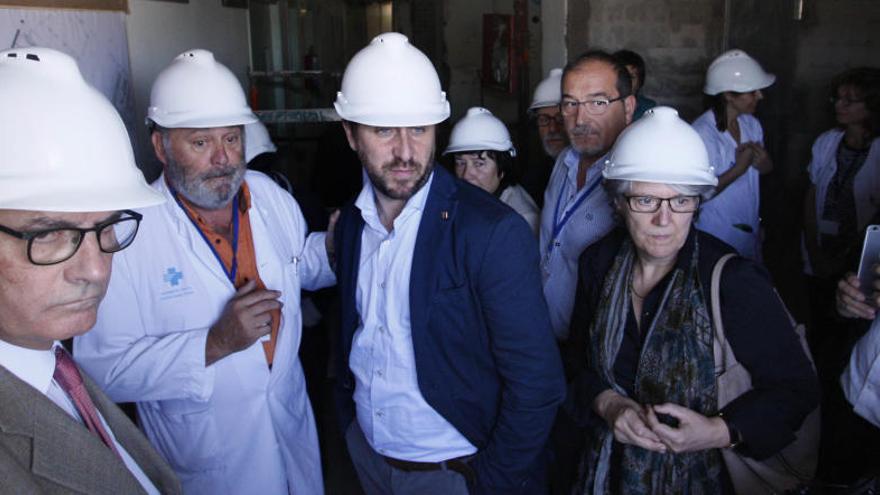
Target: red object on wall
[499,63]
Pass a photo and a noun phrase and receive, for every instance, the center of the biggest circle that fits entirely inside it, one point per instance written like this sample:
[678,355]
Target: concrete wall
[833,36]
[463,38]
[554,52]
[677,38]
[159,31]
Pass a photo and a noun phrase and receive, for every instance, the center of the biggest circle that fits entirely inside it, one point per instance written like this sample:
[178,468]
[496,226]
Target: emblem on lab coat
[174,284]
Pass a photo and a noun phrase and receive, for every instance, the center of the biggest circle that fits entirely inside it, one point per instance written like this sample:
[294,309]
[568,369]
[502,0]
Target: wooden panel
[117,5]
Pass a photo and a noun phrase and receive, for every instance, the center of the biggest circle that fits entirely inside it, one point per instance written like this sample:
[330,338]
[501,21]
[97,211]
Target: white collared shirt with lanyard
[571,221]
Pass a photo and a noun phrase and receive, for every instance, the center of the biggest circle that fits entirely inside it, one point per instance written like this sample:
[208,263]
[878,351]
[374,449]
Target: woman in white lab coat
[734,139]
[842,200]
[844,193]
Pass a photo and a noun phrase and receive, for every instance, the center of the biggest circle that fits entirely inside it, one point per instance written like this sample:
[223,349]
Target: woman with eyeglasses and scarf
[642,332]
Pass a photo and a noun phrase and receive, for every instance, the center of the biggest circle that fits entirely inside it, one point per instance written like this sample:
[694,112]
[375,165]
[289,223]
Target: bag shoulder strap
[720,341]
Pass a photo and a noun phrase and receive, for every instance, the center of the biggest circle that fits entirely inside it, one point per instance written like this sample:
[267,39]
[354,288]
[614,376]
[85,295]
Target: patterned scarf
[676,365]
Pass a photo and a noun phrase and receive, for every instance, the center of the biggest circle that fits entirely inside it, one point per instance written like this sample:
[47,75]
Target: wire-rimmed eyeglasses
[56,245]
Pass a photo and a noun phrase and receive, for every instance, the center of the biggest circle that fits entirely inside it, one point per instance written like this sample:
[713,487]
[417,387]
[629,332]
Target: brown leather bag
[792,467]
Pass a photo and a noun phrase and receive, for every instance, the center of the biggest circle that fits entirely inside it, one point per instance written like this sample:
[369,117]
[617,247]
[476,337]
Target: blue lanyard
[559,223]
[233,270]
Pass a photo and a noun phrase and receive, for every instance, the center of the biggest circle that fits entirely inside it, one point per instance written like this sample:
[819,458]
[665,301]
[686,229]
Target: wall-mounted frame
[499,64]
[114,5]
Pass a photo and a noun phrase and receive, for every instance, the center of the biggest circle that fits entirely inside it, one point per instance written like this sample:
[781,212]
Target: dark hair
[867,81]
[503,161]
[629,57]
[718,105]
[624,81]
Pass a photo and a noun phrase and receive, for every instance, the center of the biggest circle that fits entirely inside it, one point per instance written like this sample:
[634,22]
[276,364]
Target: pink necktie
[68,377]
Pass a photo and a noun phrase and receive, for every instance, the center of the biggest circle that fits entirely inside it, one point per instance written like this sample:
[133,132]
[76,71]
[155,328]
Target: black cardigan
[756,324]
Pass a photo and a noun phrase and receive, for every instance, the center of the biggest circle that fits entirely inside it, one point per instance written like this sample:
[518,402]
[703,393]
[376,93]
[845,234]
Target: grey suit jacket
[44,450]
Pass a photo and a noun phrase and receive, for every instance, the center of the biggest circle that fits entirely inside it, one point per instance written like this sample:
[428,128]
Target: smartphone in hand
[870,257]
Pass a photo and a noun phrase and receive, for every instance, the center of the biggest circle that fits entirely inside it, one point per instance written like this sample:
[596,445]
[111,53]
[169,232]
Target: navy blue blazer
[485,354]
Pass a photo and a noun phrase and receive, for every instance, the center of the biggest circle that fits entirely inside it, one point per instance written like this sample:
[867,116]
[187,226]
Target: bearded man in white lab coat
[201,323]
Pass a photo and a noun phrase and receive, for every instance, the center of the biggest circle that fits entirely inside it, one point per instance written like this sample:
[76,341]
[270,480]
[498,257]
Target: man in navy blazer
[449,375]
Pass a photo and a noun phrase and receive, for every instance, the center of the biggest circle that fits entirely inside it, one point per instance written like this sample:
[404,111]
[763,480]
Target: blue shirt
[571,221]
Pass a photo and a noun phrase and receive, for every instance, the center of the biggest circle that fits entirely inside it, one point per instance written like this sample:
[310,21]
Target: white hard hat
[196,91]
[479,130]
[63,147]
[548,93]
[735,70]
[661,148]
[390,83]
[257,141]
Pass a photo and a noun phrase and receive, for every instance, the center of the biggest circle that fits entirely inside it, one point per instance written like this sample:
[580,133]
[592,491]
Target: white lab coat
[236,426]
[739,203]
[861,379]
[517,198]
[866,185]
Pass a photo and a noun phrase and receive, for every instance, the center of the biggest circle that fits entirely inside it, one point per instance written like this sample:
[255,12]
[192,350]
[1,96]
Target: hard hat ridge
[548,93]
[196,91]
[735,70]
[662,148]
[479,130]
[64,147]
[391,83]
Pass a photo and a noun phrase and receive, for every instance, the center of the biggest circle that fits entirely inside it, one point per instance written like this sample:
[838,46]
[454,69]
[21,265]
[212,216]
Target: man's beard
[193,187]
[551,148]
[384,185]
[586,130]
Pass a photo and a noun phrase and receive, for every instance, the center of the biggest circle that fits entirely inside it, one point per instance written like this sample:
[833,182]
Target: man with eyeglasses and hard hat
[596,105]
[202,320]
[551,131]
[449,378]
[67,183]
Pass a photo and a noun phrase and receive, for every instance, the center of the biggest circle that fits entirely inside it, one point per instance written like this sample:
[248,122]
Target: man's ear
[159,147]
[349,134]
[629,105]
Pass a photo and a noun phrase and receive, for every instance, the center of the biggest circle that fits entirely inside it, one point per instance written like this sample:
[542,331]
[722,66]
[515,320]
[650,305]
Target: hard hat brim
[638,174]
[713,90]
[84,199]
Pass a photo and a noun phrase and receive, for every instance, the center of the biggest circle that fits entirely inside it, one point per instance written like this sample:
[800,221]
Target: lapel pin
[444,215]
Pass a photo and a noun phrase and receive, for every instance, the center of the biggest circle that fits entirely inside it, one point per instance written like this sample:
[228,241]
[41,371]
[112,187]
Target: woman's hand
[695,432]
[745,156]
[760,159]
[627,419]
[851,302]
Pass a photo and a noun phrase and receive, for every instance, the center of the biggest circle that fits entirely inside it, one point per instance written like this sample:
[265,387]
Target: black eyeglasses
[596,106]
[544,120]
[650,204]
[53,246]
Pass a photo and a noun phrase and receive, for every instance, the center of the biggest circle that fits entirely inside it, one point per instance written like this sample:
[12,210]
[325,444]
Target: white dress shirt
[393,414]
[36,368]
[570,221]
[739,202]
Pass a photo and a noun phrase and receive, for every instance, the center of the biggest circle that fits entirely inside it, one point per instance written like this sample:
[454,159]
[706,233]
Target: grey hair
[619,188]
